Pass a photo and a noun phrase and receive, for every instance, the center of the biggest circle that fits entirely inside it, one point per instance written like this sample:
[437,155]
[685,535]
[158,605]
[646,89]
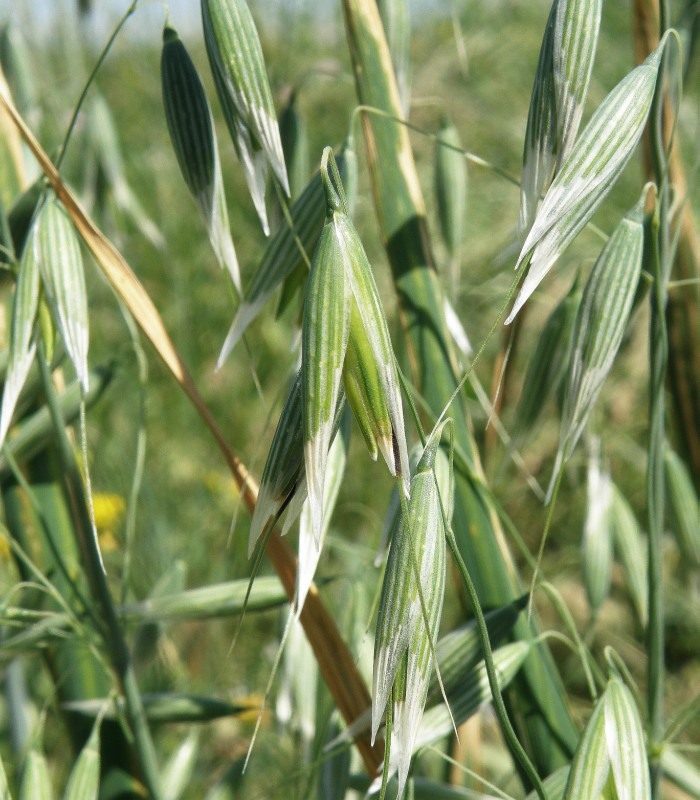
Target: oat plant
[522,629]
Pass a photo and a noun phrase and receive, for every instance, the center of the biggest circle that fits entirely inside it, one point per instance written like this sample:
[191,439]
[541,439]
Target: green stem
[658,359]
[498,704]
[91,78]
[113,635]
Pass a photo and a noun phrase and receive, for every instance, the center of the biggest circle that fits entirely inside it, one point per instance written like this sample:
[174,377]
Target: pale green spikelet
[588,173]
[57,250]
[238,66]
[600,323]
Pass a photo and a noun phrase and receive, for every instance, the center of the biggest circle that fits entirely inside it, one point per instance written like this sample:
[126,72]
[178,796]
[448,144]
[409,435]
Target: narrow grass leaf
[236,55]
[191,129]
[459,651]
[84,780]
[208,602]
[591,765]
[632,552]
[325,330]
[548,364]
[309,550]
[451,188]
[474,693]
[63,276]
[540,148]
[456,329]
[600,324]
[597,534]
[575,39]
[589,173]
[165,708]
[625,742]
[25,305]
[683,507]
[178,769]
[409,614]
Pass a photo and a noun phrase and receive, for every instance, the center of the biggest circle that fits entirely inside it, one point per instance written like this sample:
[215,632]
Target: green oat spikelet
[600,323]
[612,750]
[341,284]
[558,96]
[588,173]
[409,614]
[57,250]
[191,129]
[238,68]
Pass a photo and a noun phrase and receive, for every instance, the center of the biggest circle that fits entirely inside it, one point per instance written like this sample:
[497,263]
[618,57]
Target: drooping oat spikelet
[57,251]
[325,331]
[341,284]
[410,608]
[575,39]
[558,96]
[238,67]
[600,323]
[191,129]
[588,173]
[540,148]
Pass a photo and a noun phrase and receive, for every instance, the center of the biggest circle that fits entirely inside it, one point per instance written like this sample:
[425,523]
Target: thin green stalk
[91,78]
[113,634]
[498,704]
[658,361]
